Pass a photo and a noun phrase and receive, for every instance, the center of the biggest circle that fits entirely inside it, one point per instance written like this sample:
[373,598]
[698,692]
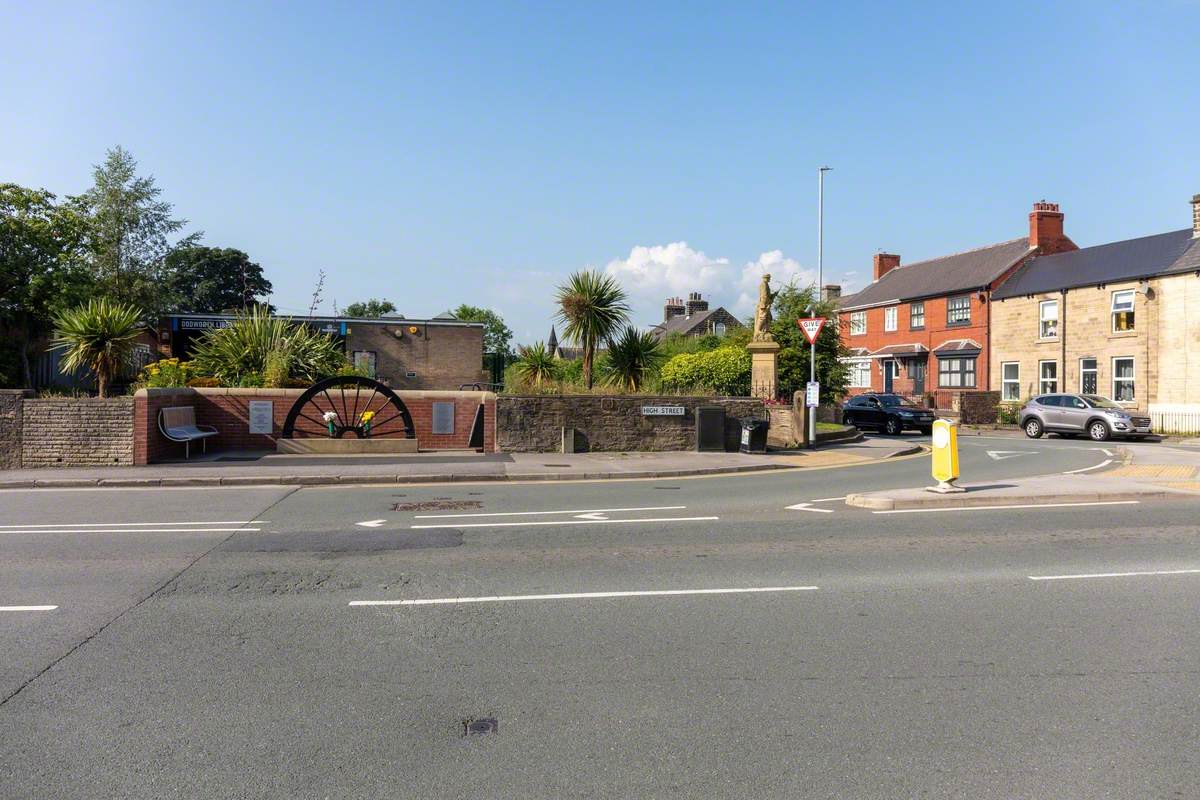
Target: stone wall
[533,424]
[10,428]
[978,408]
[76,432]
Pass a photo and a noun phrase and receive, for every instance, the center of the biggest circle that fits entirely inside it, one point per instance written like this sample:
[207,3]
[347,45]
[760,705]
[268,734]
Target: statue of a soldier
[762,314]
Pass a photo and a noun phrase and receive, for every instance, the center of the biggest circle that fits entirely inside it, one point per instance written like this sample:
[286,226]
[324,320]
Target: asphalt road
[204,643]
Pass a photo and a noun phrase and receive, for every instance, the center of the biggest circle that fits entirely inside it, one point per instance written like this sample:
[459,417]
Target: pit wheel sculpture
[337,406]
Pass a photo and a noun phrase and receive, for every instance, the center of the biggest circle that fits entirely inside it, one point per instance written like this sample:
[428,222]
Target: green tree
[632,358]
[129,233]
[40,273]
[371,309]
[535,364]
[497,337]
[99,337]
[213,279]
[591,306]
[791,304]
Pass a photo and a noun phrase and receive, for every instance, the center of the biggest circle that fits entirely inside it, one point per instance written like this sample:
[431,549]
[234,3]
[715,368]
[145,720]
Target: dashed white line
[1104,463]
[994,508]
[565,522]
[1113,574]
[543,513]
[27,608]
[443,601]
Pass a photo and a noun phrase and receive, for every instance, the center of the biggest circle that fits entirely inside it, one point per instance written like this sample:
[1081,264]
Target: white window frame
[890,315]
[1120,307]
[858,319]
[951,322]
[860,373]
[1043,319]
[718,329]
[1094,370]
[958,374]
[1131,380]
[1043,381]
[1006,382]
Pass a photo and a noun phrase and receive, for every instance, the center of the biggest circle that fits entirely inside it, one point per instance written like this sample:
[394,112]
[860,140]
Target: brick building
[922,329]
[441,353]
[693,317]
[1120,320]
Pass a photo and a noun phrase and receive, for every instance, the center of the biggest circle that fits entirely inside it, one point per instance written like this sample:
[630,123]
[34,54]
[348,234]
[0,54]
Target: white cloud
[651,274]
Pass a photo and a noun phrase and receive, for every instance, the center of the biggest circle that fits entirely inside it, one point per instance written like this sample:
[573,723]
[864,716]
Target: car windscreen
[1096,401]
[892,400]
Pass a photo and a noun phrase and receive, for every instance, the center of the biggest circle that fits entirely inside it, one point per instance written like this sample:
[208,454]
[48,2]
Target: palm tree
[632,357]
[591,306]
[536,364]
[98,336]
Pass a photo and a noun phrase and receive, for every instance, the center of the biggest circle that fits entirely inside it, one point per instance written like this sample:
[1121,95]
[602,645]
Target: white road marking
[593,515]
[443,601]
[829,499]
[1113,575]
[27,608]
[137,524]
[807,507]
[542,513]
[1106,452]
[371,523]
[133,530]
[1000,455]
[1104,463]
[564,522]
[996,508]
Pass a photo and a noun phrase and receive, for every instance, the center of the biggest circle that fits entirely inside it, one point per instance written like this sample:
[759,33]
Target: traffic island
[1039,491]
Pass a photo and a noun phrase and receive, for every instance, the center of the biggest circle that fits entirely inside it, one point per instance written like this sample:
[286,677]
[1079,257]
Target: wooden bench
[178,423]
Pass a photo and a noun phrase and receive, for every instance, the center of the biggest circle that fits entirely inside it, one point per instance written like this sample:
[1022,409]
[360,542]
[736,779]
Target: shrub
[725,371]
[165,374]
[243,348]
[99,337]
[535,365]
[275,370]
[1006,414]
[632,358]
[251,380]
[203,382]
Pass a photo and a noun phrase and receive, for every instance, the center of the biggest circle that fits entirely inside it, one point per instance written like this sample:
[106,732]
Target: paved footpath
[257,468]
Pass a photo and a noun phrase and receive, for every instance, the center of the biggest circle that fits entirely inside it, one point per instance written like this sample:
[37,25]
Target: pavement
[729,636]
[256,468]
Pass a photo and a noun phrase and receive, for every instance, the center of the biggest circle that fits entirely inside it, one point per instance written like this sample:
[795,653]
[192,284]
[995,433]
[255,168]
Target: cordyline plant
[98,336]
[256,340]
[536,365]
[632,357]
[592,307]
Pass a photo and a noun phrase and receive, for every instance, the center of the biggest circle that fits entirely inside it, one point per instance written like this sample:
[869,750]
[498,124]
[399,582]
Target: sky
[446,153]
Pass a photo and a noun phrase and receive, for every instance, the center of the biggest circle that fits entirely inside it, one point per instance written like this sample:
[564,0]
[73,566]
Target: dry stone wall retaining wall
[10,428]
[76,432]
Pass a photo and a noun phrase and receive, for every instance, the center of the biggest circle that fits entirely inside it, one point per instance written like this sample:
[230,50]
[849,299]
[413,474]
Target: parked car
[1080,414]
[889,413]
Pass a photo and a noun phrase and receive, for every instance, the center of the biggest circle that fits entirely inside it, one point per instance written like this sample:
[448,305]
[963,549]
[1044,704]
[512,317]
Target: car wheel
[893,427]
[1098,431]
[1033,428]
[846,420]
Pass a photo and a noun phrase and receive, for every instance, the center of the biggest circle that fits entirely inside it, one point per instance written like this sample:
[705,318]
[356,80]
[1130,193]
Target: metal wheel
[892,428]
[1033,428]
[1098,431]
[361,406]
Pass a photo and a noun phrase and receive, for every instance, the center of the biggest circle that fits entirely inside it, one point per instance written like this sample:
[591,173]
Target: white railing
[1175,417]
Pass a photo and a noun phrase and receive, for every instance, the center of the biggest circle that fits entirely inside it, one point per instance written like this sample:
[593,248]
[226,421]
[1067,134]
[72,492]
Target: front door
[890,370]
[916,371]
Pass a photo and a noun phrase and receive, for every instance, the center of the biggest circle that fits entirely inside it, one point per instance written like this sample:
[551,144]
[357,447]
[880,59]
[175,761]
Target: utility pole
[812,351]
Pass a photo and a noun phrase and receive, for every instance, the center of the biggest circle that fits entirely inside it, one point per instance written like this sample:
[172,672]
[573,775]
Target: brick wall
[10,428]
[76,431]
[533,424]
[978,408]
[442,356]
[228,410]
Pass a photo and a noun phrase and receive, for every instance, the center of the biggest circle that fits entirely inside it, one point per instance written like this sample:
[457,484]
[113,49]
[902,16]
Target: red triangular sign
[811,327]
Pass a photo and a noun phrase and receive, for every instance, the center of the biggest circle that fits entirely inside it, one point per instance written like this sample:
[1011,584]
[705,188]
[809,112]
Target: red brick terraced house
[923,329]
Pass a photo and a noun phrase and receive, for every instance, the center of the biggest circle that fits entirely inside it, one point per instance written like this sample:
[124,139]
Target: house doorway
[891,371]
[916,371]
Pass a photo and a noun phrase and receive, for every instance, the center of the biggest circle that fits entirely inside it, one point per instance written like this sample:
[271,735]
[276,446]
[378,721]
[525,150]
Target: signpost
[812,329]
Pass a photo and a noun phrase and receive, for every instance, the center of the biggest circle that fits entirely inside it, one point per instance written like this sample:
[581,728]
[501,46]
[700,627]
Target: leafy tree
[99,337]
[496,335]
[213,279]
[535,364]
[632,358]
[129,233]
[371,309]
[592,306]
[40,274]
[791,304]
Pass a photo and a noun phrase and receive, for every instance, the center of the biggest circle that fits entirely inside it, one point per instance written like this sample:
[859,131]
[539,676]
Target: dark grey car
[1081,414]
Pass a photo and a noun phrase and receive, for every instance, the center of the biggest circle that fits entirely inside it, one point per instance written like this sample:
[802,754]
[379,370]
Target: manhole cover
[472,726]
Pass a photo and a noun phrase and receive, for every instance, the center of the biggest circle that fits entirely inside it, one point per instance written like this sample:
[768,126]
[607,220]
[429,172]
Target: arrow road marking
[596,515]
[1000,455]
[371,523]
[806,507]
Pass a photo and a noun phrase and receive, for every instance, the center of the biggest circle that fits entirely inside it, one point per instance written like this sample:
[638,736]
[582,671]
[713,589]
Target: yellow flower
[367,416]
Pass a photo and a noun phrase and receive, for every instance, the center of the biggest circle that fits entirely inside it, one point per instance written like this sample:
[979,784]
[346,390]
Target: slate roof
[960,272]
[900,350]
[954,345]
[1147,256]
[686,325]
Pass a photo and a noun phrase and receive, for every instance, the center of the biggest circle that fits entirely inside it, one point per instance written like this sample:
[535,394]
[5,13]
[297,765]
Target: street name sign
[662,411]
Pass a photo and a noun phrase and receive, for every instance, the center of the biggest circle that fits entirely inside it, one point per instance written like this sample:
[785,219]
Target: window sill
[918,328]
[1123,335]
[965,324]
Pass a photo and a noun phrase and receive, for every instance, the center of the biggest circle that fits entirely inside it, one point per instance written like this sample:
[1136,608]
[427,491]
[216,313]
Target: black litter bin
[754,436]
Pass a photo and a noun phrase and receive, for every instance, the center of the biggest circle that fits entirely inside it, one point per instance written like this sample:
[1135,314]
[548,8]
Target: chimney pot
[1046,229]
[885,263]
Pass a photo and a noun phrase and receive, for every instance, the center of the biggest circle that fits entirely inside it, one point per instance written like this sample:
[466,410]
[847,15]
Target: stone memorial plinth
[764,368]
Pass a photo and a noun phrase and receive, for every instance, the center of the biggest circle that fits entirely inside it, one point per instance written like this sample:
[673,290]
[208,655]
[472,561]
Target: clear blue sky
[444,153]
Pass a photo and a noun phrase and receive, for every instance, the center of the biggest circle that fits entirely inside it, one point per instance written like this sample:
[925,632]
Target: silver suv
[1071,414]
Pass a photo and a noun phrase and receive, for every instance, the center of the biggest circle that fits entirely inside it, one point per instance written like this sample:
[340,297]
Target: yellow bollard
[945,456]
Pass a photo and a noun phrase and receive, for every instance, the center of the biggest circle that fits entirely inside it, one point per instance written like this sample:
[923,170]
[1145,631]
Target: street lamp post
[812,352]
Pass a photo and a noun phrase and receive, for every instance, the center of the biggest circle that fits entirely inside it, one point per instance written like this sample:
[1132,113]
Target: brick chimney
[885,263]
[1046,229]
[831,291]
[1196,216]
[672,308]
[695,305]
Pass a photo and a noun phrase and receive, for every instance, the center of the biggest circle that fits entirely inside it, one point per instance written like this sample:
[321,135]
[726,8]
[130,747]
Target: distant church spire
[552,342]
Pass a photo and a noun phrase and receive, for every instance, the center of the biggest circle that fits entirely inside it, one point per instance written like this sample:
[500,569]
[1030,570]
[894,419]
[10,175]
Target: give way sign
[811,327]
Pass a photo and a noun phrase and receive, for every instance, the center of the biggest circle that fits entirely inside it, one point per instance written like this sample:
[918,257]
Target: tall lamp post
[812,353]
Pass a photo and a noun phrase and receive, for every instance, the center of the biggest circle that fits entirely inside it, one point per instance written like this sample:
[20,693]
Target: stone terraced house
[1120,320]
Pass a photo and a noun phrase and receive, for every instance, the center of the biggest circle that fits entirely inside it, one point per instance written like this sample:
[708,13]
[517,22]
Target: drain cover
[480,725]
[556,465]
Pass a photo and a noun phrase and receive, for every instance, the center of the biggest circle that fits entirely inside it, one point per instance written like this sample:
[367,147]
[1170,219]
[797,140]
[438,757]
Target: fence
[1175,417]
